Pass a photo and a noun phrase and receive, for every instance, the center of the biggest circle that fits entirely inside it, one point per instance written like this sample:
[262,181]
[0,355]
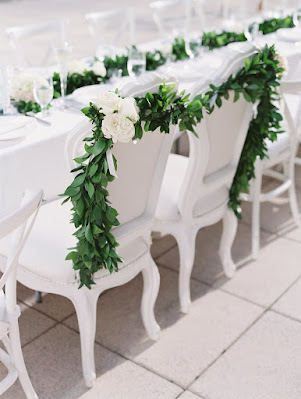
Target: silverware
[32,115]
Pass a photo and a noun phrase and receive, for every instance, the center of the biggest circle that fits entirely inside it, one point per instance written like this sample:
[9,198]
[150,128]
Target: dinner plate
[13,127]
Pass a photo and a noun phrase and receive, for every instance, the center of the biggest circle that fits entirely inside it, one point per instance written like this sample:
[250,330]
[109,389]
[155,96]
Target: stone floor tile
[130,381]
[207,266]
[54,364]
[161,244]
[264,364]
[32,324]
[54,306]
[289,304]
[264,280]
[189,395]
[187,343]
[274,217]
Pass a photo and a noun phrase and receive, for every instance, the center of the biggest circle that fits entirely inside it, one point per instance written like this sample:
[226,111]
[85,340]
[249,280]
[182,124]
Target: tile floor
[241,339]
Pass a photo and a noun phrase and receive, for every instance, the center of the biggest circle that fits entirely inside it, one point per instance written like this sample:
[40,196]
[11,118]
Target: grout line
[39,336]
[166,251]
[269,308]
[131,360]
[285,315]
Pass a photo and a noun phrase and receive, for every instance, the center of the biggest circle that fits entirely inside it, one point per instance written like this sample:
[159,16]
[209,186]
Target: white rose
[77,66]
[118,127]
[21,86]
[282,63]
[108,102]
[129,108]
[99,69]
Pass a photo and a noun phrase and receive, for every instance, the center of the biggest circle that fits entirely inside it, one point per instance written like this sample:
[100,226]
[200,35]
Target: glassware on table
[62,53]
[136,62]
[252,31]
[43,91]
[297,18]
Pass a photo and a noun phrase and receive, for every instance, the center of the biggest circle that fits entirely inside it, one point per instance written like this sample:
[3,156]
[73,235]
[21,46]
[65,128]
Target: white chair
[134,194]
[17,228]
[280,152]
[112,30]
[195,190]
[209,12]
[172,17]
[33,44]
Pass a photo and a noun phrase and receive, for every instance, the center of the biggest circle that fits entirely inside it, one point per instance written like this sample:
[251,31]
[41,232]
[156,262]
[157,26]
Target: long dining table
[38,158]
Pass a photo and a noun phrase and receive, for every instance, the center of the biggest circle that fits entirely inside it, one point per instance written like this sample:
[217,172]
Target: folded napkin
[9,123]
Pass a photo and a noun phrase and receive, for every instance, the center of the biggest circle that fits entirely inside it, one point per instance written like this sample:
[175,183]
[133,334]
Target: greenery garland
[155,59]
[93,216]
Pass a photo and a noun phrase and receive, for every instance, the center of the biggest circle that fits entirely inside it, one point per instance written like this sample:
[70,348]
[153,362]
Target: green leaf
[90,189]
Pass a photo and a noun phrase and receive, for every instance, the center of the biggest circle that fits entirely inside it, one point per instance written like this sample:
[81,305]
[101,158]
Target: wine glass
[297,18]
[136,62]
[252,31]
[62,53]
[43,91]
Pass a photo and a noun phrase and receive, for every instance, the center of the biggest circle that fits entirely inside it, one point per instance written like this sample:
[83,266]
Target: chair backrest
[140,166]
[114,28]
[238,9]
[172,17]
[15,224]
[209,12]
[214,156]
[33,44]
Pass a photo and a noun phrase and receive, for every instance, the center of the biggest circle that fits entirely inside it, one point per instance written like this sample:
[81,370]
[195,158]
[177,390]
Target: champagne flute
[136,62]
[62,54]
[43,91]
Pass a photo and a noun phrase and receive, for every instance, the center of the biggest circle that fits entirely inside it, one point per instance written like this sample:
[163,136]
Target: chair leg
[229,232]
[186,244]
[15,347]
[85,303]
[151,284]
[256,192]
[292,195]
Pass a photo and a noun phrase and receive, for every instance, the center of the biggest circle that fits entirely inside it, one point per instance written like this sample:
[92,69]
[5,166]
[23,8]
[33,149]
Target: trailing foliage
[93,216]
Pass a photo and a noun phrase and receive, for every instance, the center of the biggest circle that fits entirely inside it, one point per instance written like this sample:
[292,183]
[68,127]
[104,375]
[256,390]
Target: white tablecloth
[39,160]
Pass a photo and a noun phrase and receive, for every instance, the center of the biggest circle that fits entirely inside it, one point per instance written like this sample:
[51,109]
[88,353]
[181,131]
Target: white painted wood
[15,226]
[195,190]
[42,266]
[20,38]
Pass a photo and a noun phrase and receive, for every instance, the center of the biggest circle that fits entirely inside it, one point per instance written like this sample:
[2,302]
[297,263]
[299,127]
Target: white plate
[18,127]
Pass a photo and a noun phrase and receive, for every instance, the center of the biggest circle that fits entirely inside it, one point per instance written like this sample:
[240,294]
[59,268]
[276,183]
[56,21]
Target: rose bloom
[21,86]
[77,66]
[129,108]
[118,128]
[99,69]
[108,102]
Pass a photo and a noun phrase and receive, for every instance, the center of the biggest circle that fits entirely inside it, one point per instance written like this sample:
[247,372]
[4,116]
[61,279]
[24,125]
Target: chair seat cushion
[47,246]
[167,209]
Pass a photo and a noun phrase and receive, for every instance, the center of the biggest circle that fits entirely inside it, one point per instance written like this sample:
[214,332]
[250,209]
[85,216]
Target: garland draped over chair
[93,216]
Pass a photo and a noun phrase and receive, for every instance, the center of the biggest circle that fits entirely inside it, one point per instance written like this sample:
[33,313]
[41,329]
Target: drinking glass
[136,62]
[297,18]
[252,31]
[62,54]
[43,91]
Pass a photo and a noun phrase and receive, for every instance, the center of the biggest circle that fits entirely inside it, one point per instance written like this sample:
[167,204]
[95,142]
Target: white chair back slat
[113,28]
[27,38]
[172,17]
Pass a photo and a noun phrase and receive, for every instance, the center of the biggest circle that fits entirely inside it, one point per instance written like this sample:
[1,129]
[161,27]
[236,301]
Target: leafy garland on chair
[155,59]
[94,218]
